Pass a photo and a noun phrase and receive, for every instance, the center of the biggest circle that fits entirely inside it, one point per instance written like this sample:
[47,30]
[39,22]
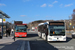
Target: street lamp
[69,23]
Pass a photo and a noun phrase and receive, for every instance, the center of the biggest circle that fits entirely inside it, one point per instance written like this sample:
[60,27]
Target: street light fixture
[69,23]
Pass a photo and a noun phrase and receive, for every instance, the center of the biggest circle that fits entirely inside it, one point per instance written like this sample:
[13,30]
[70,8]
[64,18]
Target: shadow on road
[31,35]
[11,45]
[41,45]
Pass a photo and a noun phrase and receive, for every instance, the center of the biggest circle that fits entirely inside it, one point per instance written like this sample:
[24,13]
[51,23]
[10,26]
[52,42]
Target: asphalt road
[37,43]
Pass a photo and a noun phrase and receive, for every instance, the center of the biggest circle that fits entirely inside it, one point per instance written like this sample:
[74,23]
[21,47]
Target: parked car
[73,35]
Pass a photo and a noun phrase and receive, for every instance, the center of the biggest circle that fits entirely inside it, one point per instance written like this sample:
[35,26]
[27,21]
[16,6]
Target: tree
[73,18]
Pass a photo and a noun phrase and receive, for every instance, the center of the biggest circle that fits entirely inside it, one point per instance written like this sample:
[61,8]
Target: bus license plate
[58,40]
[54,40]
[20,35]
[57,37]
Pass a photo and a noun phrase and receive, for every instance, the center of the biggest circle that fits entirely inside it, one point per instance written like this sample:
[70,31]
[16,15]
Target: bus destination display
[56,23]
[20,25]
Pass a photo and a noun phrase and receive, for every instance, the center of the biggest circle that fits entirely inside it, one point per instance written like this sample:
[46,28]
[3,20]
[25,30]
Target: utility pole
[69,23]
[2,27]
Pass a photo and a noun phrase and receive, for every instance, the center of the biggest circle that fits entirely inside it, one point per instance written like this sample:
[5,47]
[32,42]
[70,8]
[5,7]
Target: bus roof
[50,22]
[40,24]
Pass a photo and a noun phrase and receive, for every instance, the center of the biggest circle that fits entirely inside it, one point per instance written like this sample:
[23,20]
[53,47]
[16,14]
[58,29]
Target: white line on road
[28,46]
[25,45]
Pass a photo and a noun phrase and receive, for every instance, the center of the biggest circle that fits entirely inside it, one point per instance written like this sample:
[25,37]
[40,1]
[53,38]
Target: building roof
[4,14]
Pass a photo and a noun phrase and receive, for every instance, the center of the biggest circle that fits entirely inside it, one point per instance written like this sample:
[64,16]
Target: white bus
[53,31]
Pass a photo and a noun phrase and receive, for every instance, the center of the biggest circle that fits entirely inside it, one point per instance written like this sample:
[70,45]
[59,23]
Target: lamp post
[12,23]
[69,23]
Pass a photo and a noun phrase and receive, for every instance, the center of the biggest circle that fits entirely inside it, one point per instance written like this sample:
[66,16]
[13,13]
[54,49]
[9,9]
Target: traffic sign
[4,20]
[70,23]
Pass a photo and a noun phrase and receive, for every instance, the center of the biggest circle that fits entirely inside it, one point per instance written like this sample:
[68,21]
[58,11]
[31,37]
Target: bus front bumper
[20,35]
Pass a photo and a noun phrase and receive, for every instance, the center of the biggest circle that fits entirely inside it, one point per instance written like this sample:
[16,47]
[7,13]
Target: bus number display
[56,23]
[20,25]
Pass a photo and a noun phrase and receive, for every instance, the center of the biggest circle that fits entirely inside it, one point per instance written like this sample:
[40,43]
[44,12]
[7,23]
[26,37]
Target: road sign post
[2,27]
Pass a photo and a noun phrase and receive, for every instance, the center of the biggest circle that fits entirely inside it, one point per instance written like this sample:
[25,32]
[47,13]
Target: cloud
[44,5]
[55,2]
[22,15]
[68,5]
[60,4]
[25,0]
[50,5]
[2,4]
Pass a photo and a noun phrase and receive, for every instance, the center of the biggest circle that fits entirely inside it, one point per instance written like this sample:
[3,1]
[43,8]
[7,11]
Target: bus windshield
[21,29]
[57,30]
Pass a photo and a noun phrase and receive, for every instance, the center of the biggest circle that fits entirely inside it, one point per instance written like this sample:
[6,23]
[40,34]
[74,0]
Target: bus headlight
[25,35]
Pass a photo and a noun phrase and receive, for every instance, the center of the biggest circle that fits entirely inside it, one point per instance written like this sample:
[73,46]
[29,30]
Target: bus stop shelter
[2,16]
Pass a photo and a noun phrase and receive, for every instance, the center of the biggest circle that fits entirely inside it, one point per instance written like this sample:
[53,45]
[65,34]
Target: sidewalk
[7,43]
[6,39]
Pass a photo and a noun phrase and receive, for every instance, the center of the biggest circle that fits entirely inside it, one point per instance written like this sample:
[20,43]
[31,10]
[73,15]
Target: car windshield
[21,29]
[57,30]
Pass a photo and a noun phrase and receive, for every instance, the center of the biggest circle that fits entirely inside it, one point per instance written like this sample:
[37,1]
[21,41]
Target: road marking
[25,45]
[28,46]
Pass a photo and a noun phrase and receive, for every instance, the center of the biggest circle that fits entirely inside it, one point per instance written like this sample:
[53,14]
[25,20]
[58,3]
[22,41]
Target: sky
[31,10]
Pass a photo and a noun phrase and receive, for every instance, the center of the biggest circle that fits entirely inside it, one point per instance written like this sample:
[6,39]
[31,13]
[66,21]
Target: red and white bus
[20,30]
